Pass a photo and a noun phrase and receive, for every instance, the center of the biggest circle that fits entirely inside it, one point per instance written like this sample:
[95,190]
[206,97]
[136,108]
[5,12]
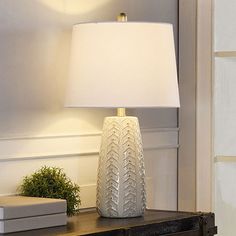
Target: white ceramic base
[121,185]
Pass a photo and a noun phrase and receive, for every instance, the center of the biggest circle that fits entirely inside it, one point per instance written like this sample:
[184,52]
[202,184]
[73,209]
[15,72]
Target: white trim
[224,159]
[7,194]
[76,145]
[89,209]
[225,54]
[187,111]
[195,119]
[79,154]
[35,157]
[50,136]
[166,129]
[58,136]
[204,107]
[87,195]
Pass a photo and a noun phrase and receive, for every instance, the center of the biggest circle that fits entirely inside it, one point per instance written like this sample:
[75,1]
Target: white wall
[225,116]
[36,130]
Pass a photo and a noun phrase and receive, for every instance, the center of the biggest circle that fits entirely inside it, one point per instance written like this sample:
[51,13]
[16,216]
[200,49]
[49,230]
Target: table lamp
[122,65]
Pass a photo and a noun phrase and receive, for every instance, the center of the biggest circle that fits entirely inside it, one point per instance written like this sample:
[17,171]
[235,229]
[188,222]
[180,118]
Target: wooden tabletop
[90,222]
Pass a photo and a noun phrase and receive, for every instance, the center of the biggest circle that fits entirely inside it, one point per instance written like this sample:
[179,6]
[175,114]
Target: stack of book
[18,213]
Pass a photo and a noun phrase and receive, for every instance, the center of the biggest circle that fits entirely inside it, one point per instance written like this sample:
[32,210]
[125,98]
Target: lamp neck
[121,112]
[122,17]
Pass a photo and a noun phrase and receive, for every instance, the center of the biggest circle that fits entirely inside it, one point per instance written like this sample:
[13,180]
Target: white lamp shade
[122,64]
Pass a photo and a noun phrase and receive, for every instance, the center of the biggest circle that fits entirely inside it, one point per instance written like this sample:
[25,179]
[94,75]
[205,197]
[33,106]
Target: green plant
[52,182]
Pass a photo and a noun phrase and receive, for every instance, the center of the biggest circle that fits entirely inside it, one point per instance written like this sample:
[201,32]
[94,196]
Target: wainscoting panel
[35,45]
[78,156]
[161,172]
[225,192]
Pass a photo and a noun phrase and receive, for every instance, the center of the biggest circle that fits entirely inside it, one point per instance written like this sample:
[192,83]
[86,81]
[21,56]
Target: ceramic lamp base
[121,184]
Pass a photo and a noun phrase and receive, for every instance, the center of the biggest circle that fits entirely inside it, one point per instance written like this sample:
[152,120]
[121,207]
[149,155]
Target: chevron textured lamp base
[121,173]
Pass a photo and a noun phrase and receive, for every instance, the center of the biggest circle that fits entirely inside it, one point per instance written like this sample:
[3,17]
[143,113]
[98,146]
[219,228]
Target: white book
[29,223]
[13,207]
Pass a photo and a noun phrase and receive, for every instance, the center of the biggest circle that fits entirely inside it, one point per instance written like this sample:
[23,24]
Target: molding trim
[89,134]
[53,156]
[225,54]
[204,106]
[49,136]
[195,116]
[79,154]
[224,159]
[88,195]
[187,111]
[76,145]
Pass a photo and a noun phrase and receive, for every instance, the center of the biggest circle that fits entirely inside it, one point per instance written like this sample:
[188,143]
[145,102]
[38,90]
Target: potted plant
[52,182]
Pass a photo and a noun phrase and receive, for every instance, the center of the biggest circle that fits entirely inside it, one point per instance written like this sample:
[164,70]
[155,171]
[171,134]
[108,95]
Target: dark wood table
[153,223]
